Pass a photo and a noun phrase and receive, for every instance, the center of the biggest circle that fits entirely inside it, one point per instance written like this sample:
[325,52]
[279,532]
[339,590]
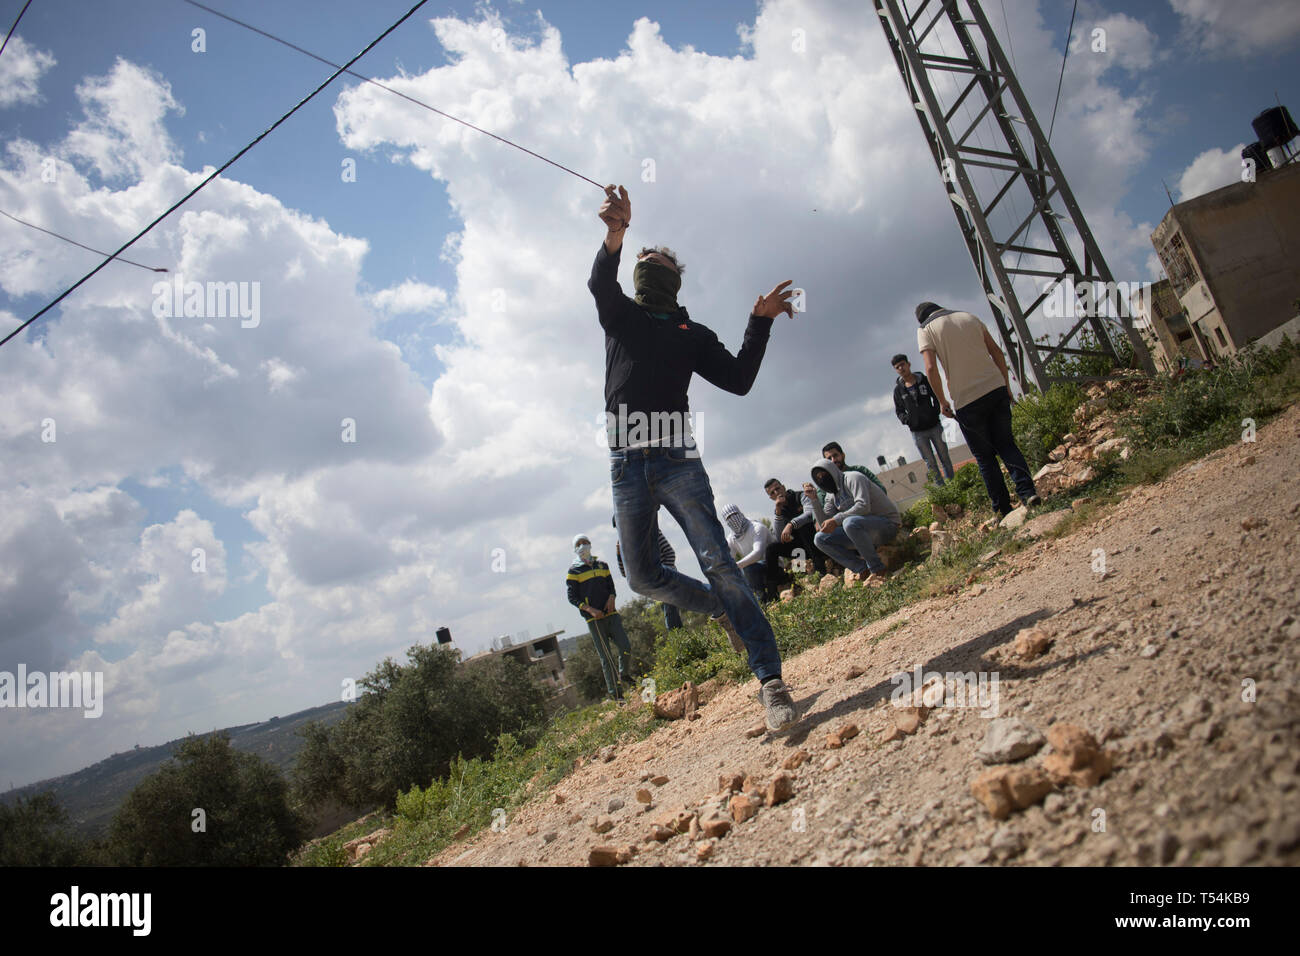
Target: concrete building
[1174,342]
[905,482]
[1233,259]
[543,655]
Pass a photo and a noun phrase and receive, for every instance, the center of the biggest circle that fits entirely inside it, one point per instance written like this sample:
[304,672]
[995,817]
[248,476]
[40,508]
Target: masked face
[824,480]
[656,284]
[583,550]
[736,522]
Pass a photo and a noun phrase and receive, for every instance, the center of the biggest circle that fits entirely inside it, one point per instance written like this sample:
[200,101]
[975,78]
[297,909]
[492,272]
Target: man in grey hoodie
[857,516]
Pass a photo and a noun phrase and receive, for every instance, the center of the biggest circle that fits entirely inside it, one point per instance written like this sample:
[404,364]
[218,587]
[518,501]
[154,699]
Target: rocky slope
[1145,711]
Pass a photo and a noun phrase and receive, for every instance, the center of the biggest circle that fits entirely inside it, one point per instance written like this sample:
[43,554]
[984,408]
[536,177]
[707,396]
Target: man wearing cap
[918,408]
[977,375]
[652,350]
[591,591]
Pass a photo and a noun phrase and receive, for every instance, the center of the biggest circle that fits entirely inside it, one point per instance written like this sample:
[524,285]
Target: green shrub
[246,816]
[965,488]
[1041,419]
[34,832]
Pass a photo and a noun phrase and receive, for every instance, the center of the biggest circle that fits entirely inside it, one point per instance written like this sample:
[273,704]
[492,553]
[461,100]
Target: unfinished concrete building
[542,654]
[1233,259]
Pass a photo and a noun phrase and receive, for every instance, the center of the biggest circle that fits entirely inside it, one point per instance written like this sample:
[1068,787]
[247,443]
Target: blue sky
[474,422]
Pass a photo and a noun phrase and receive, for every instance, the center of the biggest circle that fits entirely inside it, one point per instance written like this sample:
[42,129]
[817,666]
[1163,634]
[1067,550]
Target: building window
[1218,330]
[911,476]
[1178,264]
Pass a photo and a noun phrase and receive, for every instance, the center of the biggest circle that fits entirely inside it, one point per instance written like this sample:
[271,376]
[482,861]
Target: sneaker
[737,644]
[1033,501]
[778,705]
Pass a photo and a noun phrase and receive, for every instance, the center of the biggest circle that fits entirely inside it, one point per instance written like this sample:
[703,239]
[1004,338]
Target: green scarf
[656,286]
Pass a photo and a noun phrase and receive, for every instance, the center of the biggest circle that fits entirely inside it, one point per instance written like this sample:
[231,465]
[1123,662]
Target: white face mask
[584,551]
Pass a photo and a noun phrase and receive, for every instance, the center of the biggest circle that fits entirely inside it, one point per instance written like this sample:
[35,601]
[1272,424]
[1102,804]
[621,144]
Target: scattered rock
[1014,519]
[757,730]
[742,808]
[1010,739]
[1031,642]
[1250,524]
[462,832]
[827,582]
[704,850]
[1004,789]
[715,827]
[831,763]
[780,789]
[358,848]
[602,824]
[557,798]
[659,780]
[609,856]
[643,796]
[1076,758]
[1078,503]
[549,836]
[853,672]
[731,782]
[795,760]
[661,834]
[676,704]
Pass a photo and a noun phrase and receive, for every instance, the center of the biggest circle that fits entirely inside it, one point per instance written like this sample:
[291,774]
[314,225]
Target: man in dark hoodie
[652,349]
[918,408]
[857,516]
[981,394]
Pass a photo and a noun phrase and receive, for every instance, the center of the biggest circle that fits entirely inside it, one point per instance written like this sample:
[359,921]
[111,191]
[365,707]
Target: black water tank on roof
[1255,153]
[1274,127]
[444,635]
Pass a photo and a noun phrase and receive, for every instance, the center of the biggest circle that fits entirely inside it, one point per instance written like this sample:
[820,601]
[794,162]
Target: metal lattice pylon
[988,78]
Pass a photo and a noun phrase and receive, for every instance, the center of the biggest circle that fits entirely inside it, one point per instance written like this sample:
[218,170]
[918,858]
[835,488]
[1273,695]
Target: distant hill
[92,796]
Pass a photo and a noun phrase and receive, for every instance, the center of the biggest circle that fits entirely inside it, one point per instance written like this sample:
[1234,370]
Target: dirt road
[1181,659]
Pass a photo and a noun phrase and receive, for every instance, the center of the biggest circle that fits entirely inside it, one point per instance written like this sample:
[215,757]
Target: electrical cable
[410,99]
[15,25]
[226,165]
[1068,33]
[56,235]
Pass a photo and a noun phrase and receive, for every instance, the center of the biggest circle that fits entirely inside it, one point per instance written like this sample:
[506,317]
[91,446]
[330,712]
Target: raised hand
[616,210]
[775,302]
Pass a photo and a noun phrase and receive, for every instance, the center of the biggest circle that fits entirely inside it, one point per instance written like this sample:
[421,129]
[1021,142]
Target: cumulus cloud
[1211,170]
[21,69]
[409,297]
[1240,28]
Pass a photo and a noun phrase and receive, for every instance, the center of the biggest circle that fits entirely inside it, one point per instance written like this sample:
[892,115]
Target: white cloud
[408,297]
[1242,27]
[124,133]
[1211,170]
[21,69]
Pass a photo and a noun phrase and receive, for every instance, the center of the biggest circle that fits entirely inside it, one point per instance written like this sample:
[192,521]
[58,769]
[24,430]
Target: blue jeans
[986,425]
[859,533]
[932,448]
[613,649]
[672,617]
[646,478]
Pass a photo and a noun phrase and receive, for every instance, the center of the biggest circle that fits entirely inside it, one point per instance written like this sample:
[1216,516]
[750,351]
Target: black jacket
[649,361]
[919,415]
[788,509]
[589,585]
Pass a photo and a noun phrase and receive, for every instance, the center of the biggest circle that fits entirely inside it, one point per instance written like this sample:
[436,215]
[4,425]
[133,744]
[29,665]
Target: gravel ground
[1181,659]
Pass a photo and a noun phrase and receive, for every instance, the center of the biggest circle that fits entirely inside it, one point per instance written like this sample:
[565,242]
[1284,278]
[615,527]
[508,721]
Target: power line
[1068,33]
[56,235]
[409,99]
[15,25]
[226,165]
